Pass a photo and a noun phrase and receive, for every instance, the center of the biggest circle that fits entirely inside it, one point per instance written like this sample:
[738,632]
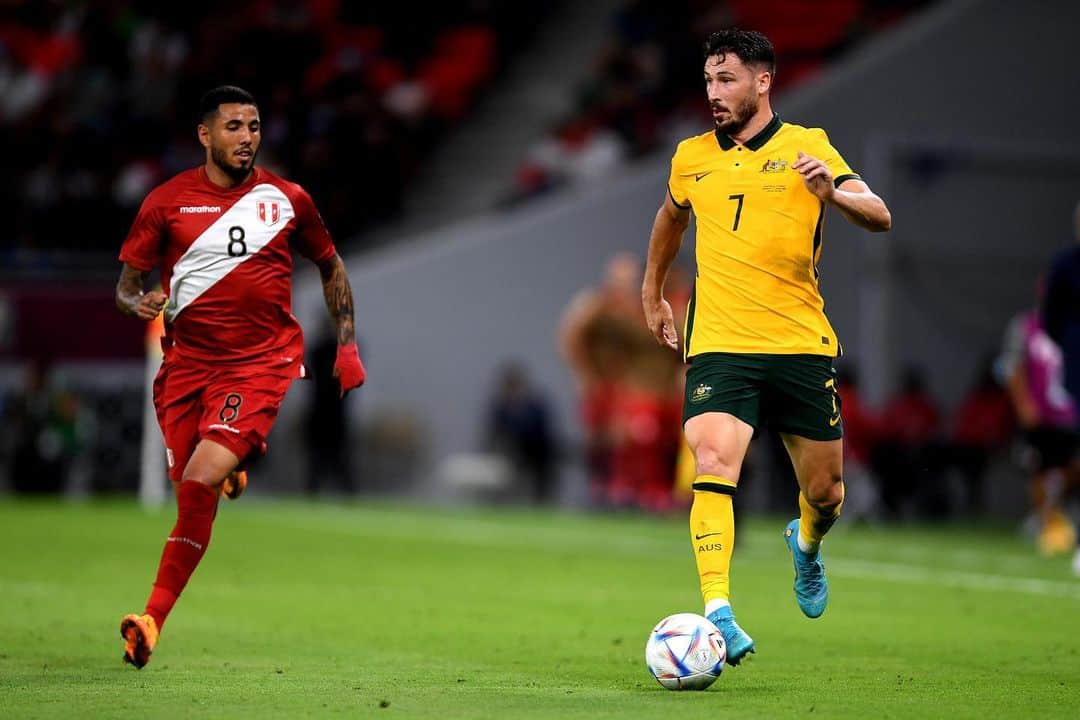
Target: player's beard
[739,116]
[238,174]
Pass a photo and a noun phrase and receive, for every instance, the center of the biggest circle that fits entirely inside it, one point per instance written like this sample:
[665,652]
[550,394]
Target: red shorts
[235,408]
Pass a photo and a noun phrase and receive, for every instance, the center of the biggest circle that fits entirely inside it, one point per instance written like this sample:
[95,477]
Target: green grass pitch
[376,610]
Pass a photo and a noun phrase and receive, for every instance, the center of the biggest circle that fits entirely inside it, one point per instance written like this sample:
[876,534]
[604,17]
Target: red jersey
[226,264]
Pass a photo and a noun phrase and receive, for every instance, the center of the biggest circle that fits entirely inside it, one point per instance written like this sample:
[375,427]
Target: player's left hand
[816,175]
[348,369]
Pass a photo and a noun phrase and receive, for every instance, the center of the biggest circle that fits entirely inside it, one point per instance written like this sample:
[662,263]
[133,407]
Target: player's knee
[205,480]
[202,475]
[826,493]
[712,460]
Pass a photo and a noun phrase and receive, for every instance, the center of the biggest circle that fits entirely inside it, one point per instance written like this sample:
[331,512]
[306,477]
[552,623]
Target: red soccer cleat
[140,635]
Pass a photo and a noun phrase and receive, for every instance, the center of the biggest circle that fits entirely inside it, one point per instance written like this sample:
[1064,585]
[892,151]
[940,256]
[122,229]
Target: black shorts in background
[1055,446]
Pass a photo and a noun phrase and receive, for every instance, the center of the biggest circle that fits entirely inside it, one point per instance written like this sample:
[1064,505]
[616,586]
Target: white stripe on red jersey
[232,239]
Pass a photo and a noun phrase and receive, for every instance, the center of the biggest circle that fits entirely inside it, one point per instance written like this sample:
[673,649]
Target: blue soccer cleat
[735,638]
[811,587]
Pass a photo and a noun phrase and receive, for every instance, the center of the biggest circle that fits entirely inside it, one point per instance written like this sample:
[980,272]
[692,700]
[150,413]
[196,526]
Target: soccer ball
[685,652]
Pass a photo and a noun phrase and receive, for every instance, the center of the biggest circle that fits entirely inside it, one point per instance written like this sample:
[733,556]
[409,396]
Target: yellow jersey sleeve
[677,189]
[818,146]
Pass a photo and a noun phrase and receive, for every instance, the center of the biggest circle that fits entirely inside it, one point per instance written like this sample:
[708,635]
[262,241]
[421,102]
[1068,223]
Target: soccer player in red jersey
[222,235]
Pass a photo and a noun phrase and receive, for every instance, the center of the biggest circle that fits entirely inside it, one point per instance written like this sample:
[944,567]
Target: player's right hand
[150,305]
[662,323]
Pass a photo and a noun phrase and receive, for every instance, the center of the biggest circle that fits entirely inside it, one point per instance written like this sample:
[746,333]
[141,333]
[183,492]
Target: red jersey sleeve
[311,238]
[142,248]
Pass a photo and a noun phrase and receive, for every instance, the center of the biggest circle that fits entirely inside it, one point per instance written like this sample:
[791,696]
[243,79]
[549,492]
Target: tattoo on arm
[129,289]
[339,300]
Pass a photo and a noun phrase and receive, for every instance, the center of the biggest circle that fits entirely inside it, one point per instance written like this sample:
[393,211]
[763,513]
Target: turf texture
[369,609]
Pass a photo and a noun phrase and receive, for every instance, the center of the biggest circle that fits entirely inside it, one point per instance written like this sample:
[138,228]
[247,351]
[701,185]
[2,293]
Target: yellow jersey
[758,241]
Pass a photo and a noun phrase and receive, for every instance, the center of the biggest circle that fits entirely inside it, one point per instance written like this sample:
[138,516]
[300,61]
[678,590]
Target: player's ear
[204,135]
[764,80]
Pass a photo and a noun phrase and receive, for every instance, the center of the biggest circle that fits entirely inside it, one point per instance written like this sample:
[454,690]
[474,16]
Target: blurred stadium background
[488,170]
[479,165]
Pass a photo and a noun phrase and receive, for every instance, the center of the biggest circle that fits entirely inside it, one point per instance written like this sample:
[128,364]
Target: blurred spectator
[595,336]
[680,289]
[861,431]
[631,389]
[1061,320]
[648,417]
[911,417]
[352,97]
[861,426]
[44,422]
[647,75]
[519,428]
[646,426]
[982,425]
[1033,366]
[326,427]
[1061,307]
[909,429]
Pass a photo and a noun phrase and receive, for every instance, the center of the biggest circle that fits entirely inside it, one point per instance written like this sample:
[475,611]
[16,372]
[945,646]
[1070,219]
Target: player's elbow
[882,220]
[330,266]
[675,218]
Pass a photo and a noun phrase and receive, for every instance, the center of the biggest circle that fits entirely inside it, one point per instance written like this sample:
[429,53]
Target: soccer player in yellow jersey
[759,346]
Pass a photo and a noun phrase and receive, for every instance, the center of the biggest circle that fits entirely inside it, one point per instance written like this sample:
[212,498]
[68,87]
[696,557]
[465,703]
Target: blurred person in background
[1061,307]
[680,288]
[326,426]
[909,435]
[981,426]
[646,425]
[360,93]
[596,337]
[1061,315]
[1034,370]
[631,396]
[222,235]
[44,421]
[519,428]
[759,345]
[635,89]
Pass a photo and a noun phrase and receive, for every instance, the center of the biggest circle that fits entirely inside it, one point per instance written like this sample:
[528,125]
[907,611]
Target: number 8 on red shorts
[234,408]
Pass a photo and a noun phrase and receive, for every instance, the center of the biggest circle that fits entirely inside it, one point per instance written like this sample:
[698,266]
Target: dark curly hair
[750,46]
[223,95]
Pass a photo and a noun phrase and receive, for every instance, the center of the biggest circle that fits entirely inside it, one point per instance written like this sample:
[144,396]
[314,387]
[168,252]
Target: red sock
[196,505]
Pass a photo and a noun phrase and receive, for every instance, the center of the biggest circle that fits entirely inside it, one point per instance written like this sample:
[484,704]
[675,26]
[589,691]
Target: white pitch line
[485,533]
[895,572]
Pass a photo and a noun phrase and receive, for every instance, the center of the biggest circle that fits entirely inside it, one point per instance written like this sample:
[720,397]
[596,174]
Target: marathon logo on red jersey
[243,230]
[199,209]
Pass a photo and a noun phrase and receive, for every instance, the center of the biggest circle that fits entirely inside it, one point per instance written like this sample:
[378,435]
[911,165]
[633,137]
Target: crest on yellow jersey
[774,166]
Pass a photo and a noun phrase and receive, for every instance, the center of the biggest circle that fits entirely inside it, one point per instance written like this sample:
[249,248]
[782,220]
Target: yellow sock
[813,524]
[712,531]
[685,471]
